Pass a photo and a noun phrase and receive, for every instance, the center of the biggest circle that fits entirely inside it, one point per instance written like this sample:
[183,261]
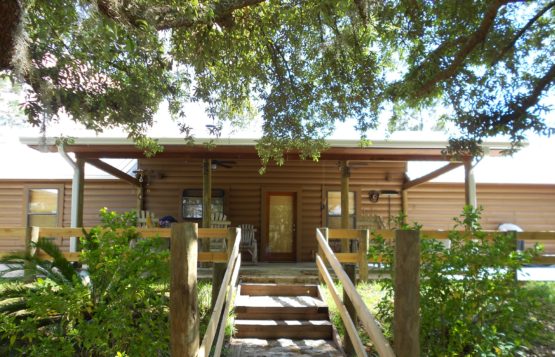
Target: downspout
[75,188]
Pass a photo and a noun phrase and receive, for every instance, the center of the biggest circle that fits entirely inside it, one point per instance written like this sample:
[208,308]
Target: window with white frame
[334,209]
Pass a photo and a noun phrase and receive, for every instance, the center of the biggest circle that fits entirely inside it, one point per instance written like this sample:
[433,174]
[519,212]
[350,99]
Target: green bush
[470,300]
[121,305]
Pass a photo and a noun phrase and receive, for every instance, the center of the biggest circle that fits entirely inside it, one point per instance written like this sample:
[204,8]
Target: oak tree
[302,65]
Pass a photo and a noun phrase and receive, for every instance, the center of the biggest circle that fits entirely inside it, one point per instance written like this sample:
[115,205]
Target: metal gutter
[394,144]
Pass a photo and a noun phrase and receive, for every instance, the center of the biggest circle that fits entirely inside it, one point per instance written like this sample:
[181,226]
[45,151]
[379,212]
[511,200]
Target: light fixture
[389,194]
[374,196]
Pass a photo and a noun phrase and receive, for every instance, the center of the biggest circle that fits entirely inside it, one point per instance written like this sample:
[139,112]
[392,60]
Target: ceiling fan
[228,164]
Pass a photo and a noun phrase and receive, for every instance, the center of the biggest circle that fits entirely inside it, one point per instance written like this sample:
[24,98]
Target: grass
[371,294]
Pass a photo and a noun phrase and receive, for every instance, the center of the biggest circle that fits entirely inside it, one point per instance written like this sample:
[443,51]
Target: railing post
[31,236]
[184,320]
[218,269]
[325,232]
[363,239]
[406,319]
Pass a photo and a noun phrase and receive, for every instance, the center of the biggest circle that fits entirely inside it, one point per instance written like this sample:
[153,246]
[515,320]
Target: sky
[533,164]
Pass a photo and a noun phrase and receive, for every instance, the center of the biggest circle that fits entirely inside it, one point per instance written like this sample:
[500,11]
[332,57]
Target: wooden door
[281,213]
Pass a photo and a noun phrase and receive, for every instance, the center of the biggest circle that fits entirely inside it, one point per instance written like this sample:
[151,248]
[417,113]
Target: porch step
[294,329]
[273,311]
[280,308]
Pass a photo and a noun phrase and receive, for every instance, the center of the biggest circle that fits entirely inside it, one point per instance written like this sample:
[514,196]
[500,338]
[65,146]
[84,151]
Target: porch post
[184,319]
[206,192]
[469,184]
[345,174]
[77,189]
[405,205]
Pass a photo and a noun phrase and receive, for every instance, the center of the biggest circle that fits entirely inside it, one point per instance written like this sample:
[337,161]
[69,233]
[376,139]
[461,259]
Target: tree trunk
[10,15]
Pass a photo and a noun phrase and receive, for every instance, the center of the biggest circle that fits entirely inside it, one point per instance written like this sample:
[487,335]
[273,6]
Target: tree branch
[165,17]
[474,40]
[521,32]
[520,106]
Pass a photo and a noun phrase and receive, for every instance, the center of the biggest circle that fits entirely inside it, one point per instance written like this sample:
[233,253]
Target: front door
[281,231]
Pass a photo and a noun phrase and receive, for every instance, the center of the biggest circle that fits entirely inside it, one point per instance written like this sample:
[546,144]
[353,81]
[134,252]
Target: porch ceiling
[95,148]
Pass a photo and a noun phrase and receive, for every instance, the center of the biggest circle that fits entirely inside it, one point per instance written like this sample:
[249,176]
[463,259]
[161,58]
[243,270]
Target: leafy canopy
[302,65]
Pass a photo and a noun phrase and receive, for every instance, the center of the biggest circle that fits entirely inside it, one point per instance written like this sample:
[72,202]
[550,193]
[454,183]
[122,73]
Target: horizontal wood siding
[11,204]
[531,207]
[116,195]
[244,185]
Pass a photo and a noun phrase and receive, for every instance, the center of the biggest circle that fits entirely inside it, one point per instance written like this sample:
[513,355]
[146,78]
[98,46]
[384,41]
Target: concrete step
[294,329]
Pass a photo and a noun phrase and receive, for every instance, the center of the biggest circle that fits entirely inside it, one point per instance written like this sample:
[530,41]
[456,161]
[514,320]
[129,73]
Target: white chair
[248,241]
[218,220]
[146,219]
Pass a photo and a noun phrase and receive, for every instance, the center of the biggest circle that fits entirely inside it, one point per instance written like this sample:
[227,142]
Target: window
[192,203]
[43,207]
[334,209]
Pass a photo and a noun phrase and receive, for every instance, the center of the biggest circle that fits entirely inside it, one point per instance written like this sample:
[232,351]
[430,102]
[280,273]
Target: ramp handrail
[368,321]
[223,302]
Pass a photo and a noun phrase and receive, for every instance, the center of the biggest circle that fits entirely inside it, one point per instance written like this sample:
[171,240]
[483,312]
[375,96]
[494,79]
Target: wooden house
[349,186]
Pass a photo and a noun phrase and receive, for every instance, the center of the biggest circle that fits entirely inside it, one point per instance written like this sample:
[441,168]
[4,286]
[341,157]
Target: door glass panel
[281,220]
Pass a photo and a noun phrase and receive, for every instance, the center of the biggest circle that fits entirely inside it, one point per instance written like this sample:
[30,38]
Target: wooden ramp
[282,320]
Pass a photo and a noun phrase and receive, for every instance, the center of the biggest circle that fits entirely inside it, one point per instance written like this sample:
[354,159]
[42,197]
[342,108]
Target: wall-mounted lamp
[374,196]
[389,194]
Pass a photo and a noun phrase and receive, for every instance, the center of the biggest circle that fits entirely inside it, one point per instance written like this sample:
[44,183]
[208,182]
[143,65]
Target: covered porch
[347,188]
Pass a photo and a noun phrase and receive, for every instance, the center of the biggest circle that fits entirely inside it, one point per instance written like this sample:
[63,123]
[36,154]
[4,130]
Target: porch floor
[296,273]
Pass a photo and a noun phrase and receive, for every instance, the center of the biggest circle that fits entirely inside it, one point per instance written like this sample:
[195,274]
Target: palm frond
[58,260]
[14,306]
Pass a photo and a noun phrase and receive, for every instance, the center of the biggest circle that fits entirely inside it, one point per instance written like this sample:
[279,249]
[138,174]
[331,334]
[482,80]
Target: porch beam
[113,171]
[432,175]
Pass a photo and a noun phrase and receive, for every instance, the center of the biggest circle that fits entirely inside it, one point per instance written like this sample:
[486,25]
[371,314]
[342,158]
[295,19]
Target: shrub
[470,300]
[119,305]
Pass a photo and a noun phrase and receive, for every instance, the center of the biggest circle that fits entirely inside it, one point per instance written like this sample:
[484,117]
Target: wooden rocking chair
[218,220]
[248,241]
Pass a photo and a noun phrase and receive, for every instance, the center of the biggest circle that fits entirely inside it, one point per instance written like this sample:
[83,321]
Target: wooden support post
[351,273]
[406,319]
[184,319]
[345,174]
[31,236]
[469,184]
[141,197]
[77,201]
[364,237]
[206,201]
[206,192]
[326,234]
[405,205]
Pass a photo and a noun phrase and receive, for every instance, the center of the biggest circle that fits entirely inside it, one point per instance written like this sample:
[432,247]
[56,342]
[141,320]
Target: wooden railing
[529,238]
[368,322]
[184,319]
[21,238]
[223,302]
